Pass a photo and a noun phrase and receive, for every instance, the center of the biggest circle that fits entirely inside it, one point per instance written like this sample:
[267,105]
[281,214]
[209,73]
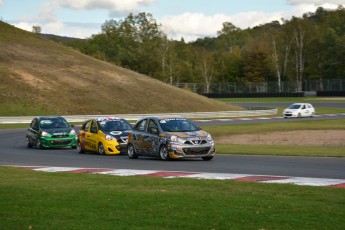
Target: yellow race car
[105,135]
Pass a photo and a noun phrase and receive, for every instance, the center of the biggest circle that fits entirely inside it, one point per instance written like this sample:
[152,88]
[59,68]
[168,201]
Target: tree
[36,29]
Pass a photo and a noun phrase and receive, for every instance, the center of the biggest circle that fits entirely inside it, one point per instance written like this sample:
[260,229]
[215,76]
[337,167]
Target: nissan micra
[299,110]
[105,135]
[169,138]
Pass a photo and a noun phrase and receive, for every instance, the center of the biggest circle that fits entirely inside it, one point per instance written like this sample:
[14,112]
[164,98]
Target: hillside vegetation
[41,77]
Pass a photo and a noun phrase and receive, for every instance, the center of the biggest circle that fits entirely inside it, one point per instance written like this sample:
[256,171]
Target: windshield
[177,125]
[53,123]
[295,106]
[114,125]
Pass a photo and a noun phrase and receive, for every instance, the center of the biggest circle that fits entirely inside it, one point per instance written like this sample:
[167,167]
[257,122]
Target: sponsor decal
[115,132]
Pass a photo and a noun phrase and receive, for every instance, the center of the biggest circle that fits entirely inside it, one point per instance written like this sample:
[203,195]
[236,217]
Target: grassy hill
[41,77]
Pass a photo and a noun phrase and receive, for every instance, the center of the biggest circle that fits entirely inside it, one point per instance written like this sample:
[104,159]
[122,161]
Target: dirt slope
[40,77]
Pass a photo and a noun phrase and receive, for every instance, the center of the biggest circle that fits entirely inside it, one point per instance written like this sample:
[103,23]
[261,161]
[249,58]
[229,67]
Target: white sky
[189,19]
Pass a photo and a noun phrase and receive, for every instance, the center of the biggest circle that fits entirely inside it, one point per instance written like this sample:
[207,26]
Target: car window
[177,125]
[34,124]
[86,126]
[114,125]
[152,125]
[141,126]
[295,106]
[60,122]
[94,128]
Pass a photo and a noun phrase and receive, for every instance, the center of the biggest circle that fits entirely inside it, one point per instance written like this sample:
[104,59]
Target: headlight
[176,139]
[72,132]
[173,138]
[109,137]
[209,137]
[45,134]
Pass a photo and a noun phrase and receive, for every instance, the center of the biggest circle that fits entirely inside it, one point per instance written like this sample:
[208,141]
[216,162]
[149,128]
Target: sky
[190,19]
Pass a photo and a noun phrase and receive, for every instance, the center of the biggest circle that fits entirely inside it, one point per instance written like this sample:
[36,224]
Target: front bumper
[290,115]
[51,142]
[111,147]
[191,151]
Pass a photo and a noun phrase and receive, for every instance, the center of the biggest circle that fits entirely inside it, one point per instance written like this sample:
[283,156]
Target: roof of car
[48,117]
[301,103]
[108,118]
[162,117]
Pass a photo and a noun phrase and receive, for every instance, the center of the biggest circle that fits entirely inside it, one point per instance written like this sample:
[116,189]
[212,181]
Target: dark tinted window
[141,126]
[115,125]
[94,128]
[295,106]
[53,123]
[177,125]
[86,126]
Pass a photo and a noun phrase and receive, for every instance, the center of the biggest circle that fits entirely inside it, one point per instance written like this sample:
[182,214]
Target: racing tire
[28,143]
[207,158]
[101,149]
[164,153]
[79,147]
[39,144]
[299,115]
[131,152]
[312,115]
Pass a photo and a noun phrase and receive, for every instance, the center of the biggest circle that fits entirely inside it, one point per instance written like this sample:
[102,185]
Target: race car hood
[118,133]
[58,130]
[199,133]
[290,110]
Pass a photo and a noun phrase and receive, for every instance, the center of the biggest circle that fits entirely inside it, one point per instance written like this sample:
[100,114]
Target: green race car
[50,132]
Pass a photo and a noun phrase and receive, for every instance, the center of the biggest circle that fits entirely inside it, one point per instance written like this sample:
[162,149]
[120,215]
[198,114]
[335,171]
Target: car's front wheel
[39,144]
[131,152]
[164,153]
[28,143]
[101,149]
[79,147]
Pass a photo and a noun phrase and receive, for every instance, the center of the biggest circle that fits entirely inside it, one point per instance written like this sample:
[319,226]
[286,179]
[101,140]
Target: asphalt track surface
[13,151]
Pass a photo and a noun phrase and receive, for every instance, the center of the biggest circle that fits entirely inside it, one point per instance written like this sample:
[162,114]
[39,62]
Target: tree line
[311,47]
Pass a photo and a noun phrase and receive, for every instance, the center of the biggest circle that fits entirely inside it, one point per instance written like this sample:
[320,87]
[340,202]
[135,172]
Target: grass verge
[279,150]
[38,200]
[225,131]
[298,124]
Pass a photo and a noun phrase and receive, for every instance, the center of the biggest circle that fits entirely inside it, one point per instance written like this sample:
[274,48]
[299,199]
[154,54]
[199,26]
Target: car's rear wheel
[131,152]
[164,153]
[207,158]
[79,147]
[28,143]
[312,114]
[101,149]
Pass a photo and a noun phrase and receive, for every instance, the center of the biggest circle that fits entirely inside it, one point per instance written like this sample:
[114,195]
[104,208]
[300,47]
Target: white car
[299,110]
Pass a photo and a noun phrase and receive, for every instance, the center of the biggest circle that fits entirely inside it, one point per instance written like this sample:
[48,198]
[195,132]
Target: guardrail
[134,117]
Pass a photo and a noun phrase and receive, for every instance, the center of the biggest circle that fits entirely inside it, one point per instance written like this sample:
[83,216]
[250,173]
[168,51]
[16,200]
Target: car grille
[59,135]
[60,142]
[196,142]
[196,151]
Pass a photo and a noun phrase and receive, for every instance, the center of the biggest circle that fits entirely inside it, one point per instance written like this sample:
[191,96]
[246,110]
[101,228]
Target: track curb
[339,183]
